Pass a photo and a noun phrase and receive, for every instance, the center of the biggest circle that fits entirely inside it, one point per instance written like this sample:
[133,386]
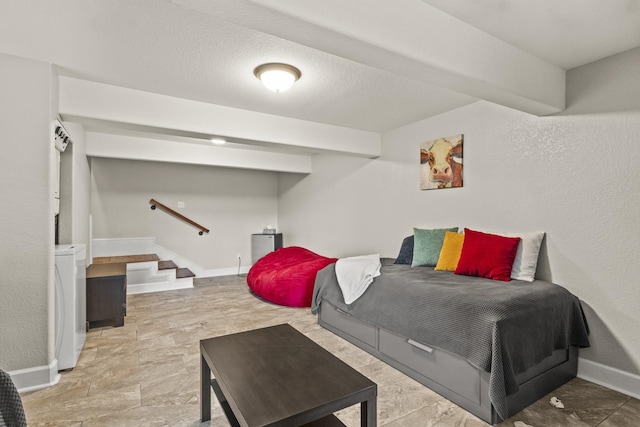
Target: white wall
[75,189]
[607,86]
[574,176]
[27,91]
[232,203]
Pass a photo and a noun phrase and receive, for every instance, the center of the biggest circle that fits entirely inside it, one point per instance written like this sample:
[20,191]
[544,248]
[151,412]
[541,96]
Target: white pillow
[524,266]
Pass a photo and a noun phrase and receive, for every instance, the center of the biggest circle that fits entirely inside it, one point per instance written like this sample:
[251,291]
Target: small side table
[276,376]
[106,294]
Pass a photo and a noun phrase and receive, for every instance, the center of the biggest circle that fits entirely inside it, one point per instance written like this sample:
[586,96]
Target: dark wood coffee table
[276,376]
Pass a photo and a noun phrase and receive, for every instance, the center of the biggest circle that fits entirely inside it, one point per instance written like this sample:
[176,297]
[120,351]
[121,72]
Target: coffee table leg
[205,390]
[368,417]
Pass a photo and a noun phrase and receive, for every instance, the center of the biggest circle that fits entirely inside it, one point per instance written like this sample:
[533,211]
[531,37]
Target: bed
[491,347]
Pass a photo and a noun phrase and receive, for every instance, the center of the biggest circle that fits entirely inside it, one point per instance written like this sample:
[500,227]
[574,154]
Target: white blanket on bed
[355,274]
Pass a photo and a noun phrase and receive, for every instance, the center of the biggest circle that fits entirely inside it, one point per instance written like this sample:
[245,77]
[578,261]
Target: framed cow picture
[441,163]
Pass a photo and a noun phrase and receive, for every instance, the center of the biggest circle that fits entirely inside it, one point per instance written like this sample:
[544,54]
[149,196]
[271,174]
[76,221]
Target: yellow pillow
[450,252]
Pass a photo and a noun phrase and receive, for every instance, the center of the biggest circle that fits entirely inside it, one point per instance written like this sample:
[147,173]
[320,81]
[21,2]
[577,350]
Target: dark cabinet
[106,294]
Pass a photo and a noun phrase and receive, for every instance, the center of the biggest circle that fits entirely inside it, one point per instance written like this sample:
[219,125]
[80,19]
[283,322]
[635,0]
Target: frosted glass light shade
[277,77]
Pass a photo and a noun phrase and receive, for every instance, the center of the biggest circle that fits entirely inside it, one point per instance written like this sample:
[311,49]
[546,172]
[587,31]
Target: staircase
[181,273]
[147,273]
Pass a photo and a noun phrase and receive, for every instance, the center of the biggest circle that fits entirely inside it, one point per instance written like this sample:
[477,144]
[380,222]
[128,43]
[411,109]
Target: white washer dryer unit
[71,303]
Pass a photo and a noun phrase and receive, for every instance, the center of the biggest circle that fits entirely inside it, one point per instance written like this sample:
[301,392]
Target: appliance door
[80,321]
[71,312]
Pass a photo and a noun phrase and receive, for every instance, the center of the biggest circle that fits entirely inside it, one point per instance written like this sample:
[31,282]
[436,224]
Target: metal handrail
[155,203]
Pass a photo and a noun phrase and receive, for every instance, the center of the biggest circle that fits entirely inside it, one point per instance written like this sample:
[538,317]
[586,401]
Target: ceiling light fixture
[277,77]
[219,141]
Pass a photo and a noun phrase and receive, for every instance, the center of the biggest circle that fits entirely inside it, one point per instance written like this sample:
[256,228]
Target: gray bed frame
[448,374]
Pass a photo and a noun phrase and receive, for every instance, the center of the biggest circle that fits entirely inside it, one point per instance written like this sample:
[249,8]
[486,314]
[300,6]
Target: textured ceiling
[567,33]
[206,50]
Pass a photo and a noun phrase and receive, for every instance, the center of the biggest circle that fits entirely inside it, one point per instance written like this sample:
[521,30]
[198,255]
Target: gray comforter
[503,328]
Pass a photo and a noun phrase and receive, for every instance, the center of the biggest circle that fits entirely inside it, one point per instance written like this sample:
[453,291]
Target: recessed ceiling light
[277,77]
[219,141]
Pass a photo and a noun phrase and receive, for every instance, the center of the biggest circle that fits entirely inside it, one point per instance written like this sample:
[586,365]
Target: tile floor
[146,373]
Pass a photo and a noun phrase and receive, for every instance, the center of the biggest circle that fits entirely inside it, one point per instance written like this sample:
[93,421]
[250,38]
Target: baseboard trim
[196,268]
[613,378]
[229,271]
[31,379]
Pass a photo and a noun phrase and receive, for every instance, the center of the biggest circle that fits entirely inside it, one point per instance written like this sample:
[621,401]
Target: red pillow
[487,255]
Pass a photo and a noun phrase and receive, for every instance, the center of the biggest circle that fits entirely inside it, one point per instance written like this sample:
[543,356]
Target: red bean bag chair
[286,276]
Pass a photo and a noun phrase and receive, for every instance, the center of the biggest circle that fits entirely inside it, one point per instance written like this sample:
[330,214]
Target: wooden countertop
[107,270]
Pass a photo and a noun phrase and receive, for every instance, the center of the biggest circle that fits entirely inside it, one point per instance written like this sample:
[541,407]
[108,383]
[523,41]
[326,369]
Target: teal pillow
[427,245]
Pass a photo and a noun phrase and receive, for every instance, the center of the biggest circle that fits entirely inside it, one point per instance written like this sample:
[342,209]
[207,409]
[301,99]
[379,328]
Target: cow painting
[441,163]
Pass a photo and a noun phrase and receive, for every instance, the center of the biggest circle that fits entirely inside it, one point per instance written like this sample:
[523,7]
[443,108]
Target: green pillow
[427,245]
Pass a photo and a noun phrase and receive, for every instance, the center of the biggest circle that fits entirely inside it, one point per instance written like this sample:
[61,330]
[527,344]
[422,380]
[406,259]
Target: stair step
[183,273]
[125,258]
[166,265]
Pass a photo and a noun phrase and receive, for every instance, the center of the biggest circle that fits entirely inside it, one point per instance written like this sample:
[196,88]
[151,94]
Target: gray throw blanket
[503,328]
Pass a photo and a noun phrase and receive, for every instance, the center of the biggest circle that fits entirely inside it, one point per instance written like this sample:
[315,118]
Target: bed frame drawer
[449,370]
[358,329]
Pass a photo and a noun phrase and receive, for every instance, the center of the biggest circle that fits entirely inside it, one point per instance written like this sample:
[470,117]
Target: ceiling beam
[81,99]
[416,40]
[157,150]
